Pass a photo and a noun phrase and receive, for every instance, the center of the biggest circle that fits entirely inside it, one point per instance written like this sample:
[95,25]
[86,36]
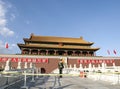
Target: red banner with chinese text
[15,59]
[94,61]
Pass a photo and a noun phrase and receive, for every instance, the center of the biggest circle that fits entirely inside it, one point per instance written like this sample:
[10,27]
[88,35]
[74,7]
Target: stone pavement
[74,83]
[67,82]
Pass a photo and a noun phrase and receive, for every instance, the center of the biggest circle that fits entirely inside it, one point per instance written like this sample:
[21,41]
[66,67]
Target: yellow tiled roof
[57,39]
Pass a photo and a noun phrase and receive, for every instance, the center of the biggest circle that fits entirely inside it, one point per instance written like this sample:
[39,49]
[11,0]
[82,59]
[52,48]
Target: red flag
[114,51]
[108,52]
[6,46]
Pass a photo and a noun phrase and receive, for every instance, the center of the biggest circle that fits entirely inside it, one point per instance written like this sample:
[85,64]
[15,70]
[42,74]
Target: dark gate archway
[43,70]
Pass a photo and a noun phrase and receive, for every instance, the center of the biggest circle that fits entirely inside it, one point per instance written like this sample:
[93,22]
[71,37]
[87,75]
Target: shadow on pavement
[57,81]
[40,81]
[61,87]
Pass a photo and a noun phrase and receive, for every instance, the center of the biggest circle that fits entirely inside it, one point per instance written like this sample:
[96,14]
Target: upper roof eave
[60,47]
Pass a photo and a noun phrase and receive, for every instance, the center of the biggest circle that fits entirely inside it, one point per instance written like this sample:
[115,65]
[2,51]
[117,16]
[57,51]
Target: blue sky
[97,21]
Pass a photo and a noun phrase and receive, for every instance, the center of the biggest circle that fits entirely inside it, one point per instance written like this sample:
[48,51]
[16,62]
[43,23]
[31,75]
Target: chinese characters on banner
[34,60]
[81,61]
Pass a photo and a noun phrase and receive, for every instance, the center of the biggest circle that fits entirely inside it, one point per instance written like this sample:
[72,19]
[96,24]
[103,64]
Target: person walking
[60,66]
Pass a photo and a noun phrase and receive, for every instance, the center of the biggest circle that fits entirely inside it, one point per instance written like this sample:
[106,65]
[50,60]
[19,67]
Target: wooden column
[94,54]
[73,53]
[29,51]
[66,52]
[55,52]
[80,54]
[22,51]
[39,52]
[88,52]
[46,52]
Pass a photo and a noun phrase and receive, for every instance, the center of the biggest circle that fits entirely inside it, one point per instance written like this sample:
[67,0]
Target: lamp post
[33,67]
[25,85]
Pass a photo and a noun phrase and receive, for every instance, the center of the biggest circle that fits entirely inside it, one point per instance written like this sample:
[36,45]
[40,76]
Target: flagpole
[108,52]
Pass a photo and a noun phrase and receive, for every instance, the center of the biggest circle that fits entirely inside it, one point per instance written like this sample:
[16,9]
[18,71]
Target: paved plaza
[67,82]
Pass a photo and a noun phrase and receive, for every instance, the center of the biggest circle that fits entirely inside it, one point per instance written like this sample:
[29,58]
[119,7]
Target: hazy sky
[97,21]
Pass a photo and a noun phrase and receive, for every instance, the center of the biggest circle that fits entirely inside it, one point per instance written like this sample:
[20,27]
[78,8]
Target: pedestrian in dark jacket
[60,66]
